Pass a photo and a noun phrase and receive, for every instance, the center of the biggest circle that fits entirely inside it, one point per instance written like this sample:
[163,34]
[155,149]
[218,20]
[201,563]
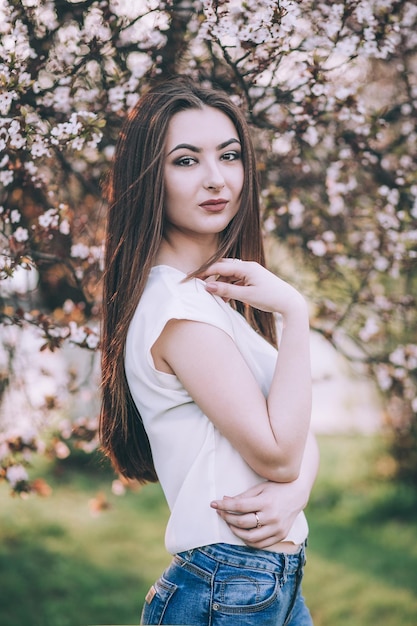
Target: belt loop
[286,566]
[303,553]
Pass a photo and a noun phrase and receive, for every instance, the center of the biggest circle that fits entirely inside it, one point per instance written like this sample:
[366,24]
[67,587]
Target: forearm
[289,399]
[308,470]
[270,433]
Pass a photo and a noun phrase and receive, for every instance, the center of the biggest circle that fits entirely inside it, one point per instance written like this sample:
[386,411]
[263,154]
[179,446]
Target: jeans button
[215,607]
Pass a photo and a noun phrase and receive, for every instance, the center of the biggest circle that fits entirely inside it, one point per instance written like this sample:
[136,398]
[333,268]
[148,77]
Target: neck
[185,255]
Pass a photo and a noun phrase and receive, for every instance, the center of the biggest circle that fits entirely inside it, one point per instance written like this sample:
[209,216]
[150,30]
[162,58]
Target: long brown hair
[135,221]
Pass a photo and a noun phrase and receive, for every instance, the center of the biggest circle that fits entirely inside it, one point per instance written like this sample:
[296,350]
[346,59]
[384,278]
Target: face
[203,172]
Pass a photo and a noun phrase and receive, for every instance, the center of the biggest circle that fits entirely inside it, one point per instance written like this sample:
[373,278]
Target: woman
[195,394]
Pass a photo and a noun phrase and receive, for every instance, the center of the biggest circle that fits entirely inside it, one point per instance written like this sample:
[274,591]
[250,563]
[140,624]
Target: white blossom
[15,216]
[370,329]
[317,247]
[116,97]
[64,227]
[94,26]
[16,474]
[92,341]
[61,99]
[6,99]
[283,143]
[80,250]
[30,3]
[384,378]
[131,100]
[6,177]
[21,234]
[79,335]
[17,141]
[381,264]
[370,242]
[329,236]
[77,143]
[49,219]
[31,168]
[296,211]
[311,136]
[39,148]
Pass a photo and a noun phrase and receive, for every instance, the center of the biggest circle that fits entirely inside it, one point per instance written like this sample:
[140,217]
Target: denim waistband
[207,558]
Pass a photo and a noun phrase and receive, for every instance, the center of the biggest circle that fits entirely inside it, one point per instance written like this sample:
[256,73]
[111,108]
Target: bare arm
[276,504]
[270,433]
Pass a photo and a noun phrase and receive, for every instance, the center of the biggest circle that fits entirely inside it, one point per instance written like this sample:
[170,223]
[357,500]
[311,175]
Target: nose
[214,178]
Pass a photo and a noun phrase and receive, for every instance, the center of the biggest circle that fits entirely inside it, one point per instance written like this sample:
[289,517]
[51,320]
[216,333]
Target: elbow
[287,474]
[278,463]
[280,472]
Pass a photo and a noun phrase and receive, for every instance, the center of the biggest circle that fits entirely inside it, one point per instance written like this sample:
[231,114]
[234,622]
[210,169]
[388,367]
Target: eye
[231,155]
[185,161]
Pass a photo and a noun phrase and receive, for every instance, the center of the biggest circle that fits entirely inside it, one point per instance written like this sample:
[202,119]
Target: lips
[214,204]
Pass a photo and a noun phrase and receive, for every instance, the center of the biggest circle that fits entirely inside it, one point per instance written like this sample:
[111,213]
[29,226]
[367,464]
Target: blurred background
[330,92]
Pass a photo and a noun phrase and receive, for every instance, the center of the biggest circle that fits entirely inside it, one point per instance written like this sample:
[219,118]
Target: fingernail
[212,286]
[214,505]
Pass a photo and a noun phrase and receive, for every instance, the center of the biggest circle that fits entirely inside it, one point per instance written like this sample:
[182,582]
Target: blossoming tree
[330,90]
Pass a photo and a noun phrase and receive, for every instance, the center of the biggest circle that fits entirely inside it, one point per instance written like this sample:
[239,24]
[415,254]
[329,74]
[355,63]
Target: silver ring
[258,523]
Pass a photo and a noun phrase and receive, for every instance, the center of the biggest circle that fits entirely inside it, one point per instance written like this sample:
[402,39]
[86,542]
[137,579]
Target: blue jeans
[227,585]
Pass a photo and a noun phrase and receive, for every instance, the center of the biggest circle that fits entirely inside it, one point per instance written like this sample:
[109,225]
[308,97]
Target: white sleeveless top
[195,464]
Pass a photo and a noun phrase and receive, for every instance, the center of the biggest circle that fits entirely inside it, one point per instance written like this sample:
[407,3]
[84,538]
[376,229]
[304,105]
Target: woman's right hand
[264,514]
[253,284]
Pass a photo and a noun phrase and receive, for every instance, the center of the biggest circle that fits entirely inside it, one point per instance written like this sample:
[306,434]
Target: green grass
[62,566]
[362,569]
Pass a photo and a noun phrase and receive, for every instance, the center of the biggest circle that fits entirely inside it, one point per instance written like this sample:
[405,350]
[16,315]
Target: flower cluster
[16,451]
[331,89]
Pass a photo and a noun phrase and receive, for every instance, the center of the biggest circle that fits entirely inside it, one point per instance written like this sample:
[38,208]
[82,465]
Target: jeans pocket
[245,592]
[157,600]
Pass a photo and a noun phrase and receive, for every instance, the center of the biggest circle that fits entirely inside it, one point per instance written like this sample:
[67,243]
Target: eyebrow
[192,148]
